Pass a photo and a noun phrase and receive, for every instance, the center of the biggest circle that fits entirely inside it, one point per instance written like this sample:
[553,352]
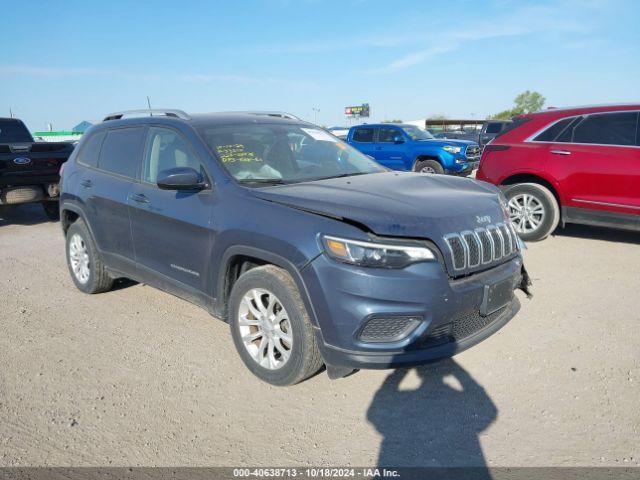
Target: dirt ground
[137,377]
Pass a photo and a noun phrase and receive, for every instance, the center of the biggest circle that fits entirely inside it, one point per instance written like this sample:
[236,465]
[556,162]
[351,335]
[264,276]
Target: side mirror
[181,178]
[398,139]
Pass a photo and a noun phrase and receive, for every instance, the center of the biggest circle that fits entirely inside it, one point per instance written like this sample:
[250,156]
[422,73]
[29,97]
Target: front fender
[268,257]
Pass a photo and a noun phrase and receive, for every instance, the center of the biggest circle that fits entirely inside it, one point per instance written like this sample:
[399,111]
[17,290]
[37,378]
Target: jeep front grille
[469,250]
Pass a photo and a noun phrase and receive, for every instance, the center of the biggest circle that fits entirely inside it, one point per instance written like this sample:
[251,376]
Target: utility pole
[316,111]
[149,105]
[10,112]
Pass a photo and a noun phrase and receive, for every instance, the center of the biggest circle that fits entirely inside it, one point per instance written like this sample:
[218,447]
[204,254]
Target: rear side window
[90,150]
[608,129]
[551,133]
[121,151]
[363,135]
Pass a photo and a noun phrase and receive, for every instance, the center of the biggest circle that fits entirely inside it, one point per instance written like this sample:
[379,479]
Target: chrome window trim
[530,138]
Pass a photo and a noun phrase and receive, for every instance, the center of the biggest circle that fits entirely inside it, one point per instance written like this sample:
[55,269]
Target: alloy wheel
[79,258]
[265,328]
[526,212]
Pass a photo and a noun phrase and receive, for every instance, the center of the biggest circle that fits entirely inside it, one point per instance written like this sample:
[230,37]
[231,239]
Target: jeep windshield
[270,154]
[417,133]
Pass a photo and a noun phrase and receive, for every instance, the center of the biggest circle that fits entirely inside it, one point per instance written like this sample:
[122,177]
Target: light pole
[316,111]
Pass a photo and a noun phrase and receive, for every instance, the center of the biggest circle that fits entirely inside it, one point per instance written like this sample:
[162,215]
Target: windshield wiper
[263,181]
[342,175]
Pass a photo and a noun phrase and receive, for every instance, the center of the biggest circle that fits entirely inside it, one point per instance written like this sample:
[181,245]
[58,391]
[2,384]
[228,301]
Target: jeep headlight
[376,255]
[452,149]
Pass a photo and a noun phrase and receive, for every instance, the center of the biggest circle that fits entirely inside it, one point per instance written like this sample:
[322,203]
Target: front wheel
[271,328]
[533,210]
[428,166]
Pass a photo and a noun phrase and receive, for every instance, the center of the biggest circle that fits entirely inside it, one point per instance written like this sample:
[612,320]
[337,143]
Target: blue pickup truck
[407,147]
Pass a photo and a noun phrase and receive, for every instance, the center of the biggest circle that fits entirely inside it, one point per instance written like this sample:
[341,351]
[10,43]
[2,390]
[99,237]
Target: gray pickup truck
[489,130]
[29,170]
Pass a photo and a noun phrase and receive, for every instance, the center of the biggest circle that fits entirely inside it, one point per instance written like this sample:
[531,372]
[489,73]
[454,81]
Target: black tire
[305,359]
[99,280]
[52,210]
[549,205]
[428,166]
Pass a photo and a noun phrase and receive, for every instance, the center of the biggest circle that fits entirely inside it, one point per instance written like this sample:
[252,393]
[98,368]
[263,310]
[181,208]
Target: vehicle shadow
[434,424]
[598,233]
[23,214]
[122,283]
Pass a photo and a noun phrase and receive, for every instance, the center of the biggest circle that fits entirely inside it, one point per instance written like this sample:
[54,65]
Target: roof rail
[269,113]
[160,112]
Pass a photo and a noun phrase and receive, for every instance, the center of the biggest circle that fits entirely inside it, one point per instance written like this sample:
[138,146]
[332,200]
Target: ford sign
[22,161]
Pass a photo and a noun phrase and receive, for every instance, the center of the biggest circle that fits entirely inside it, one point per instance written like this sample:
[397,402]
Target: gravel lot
[137,377]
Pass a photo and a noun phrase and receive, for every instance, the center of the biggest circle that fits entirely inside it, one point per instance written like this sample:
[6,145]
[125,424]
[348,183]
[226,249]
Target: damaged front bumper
[377,319]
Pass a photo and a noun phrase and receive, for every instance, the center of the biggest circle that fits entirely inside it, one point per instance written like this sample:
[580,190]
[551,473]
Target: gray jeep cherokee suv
[313,253]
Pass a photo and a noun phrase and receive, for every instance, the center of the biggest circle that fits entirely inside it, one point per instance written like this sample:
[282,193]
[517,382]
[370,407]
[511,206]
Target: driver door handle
[139,198]
[561,152]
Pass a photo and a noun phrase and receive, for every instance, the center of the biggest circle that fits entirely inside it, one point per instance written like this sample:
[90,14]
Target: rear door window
[121,151]
[90,149]
[363,135]
[607,129]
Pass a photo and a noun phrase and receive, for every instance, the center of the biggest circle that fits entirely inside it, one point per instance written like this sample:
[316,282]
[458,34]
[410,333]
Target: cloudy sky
[66,61]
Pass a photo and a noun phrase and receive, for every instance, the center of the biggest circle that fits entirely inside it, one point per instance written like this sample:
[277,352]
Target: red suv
[574,165]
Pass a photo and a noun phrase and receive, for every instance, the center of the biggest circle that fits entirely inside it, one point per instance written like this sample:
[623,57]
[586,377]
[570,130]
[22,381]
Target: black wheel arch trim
[266,256]
[76,208]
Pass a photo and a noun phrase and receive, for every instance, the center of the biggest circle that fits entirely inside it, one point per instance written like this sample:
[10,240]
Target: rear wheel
[428,166]
[83,259]
[533,210]
[271,328]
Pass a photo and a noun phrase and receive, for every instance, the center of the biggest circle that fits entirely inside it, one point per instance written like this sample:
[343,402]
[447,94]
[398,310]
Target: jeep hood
[395,204]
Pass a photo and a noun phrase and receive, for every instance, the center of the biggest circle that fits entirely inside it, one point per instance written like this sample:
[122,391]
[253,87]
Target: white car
[340,132]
